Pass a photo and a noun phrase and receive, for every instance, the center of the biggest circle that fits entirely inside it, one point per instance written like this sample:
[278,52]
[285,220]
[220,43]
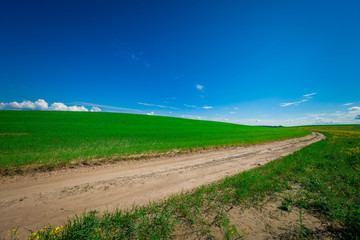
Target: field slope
[40,139]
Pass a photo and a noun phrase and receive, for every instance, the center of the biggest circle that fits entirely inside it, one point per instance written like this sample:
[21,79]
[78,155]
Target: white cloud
[151,113]
[95,109]
[155,105]
[23,105]
[232,112]
[200,87]
[58,106]
[207,107]
[321,121]
[337,113]
[105,106]
[348,104]
[236,108]
[77,109]
[298,102]
[317,115]
[41,104]
[191,117]
[309,95]
[289,104]
[354,109]
[13,105]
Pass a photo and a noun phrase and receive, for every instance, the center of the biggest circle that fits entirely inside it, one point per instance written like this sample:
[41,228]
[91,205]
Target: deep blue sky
[247,62]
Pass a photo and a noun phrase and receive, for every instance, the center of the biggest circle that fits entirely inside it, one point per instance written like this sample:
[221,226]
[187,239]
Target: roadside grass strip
[326,176]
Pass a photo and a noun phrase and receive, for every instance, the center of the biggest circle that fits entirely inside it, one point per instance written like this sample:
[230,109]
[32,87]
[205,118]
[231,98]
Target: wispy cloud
[191,117]
[193,106]
[207,107]
[293,103]
[105,106]
[354,109]
[317,115]
[348,104]
[309,95]
[337,113]
[200,87]
[156,105]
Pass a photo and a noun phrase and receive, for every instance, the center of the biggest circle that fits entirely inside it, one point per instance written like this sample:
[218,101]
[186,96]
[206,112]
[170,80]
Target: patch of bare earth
[271,221]
[268,220]
[30,202]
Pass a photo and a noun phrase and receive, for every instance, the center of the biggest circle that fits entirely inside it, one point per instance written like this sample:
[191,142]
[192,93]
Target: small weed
[285,206]
[22,199]
[12,234]
[88,187]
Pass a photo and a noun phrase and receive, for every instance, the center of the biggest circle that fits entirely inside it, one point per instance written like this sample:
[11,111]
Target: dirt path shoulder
[30,202]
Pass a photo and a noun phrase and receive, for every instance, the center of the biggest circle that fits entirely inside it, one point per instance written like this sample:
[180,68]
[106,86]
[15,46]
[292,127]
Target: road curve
[30,202]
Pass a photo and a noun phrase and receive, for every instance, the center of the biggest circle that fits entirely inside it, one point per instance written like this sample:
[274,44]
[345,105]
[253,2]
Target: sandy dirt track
[30,202]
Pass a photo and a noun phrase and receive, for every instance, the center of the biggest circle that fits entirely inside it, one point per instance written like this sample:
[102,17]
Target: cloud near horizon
[354,109]
[41,104]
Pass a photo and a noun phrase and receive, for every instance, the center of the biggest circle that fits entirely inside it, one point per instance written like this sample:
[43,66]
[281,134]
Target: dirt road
[30,202]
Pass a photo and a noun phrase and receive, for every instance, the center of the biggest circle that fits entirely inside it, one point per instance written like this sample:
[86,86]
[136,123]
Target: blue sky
[248,62]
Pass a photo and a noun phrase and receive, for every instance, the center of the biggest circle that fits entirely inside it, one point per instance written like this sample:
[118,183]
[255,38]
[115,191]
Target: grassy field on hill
[50,139]
[323,180]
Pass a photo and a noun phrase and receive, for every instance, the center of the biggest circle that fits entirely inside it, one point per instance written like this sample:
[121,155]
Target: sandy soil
[268,221]
[30,202]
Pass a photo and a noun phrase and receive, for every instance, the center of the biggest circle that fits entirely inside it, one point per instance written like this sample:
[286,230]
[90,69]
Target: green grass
[51,139]
[328,173]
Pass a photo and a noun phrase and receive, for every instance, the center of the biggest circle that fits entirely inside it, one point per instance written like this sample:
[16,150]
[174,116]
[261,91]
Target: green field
[327,172]
[40,139]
